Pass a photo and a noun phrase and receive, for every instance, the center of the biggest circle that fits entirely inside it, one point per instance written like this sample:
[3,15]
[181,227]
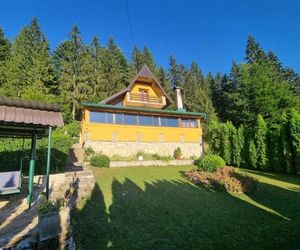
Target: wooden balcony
[138,100]
[143,98]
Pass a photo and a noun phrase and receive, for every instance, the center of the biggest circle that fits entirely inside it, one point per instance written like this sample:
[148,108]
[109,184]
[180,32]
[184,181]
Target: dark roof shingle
[13,110]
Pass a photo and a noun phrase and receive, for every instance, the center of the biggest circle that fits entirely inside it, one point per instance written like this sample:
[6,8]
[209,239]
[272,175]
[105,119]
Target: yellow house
[135,119]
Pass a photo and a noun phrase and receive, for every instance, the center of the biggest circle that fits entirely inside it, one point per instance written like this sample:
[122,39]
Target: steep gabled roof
[146,73]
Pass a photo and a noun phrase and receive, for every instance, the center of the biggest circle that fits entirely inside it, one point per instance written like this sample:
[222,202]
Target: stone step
[79,173]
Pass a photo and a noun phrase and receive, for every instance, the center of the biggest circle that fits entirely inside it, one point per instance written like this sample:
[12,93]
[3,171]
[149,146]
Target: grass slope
[157,208]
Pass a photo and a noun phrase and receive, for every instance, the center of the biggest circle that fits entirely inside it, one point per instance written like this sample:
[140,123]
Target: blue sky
[213,33]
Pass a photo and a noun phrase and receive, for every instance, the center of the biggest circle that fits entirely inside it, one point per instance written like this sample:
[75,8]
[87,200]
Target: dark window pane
[163,122]
[119,118]
[155,121]
[130,119]
[172,122]
[145,120]
[98,117]
[109,118]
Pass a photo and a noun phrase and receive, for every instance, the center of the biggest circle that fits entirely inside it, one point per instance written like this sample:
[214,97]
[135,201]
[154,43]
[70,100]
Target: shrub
[177,153]
[223,179]
[11,151]
[101,161]
[210,163]
[88,152]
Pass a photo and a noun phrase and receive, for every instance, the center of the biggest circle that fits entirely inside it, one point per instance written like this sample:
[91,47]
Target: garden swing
[10,182]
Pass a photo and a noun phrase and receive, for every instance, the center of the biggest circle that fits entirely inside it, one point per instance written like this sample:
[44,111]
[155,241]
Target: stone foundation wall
[132,148]
[150,163]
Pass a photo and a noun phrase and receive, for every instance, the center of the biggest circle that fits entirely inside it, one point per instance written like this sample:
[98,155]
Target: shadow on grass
[179,215]
[289,178]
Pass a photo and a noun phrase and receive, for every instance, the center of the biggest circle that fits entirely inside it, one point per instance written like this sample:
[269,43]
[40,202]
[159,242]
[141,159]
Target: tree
[30,71]
[148,60]
[254,53]
[225,143]
[260,138]
[137,60]
[4,56]
[163,80]
[4,46]
[252,155]
[240,159]
[295,140]
[114,69]
[72,61]
[177,72]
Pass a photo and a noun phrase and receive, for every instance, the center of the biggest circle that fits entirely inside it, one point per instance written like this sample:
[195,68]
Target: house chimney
[178,98]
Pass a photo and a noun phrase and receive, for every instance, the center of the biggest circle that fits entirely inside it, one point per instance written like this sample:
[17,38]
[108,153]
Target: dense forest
[76,71]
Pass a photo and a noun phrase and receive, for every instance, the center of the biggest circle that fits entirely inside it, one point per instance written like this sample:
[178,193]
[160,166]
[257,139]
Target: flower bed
[223,179]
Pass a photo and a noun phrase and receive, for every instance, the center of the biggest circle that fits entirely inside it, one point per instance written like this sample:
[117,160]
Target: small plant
[88,152]
[46,206]
[177,153]
[101,161]
[210,163]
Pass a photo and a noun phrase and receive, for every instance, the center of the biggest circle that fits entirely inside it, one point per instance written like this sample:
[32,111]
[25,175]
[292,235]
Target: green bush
[210,163]
[177,153]
[101,161]
[11,151]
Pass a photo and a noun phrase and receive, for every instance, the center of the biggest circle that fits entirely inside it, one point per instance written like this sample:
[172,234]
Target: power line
[129,21]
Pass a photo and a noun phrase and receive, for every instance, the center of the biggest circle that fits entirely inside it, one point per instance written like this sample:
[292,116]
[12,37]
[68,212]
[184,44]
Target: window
[172,122]
[119,118]
[155,121]
[109,117]
[143,95]
[130,119]
[145,120]
[189,123]
[99,117]
[168,122]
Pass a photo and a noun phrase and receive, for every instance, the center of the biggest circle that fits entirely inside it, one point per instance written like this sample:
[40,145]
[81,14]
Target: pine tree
[137,60]
[254,53]
[260,138]
[163,80]
[177,72]
[225,143]
[252,155]
[149,61]
[295,140]
[73,66]
[30,71]
[194,90]
[114,69]
[4,56]
[4,46]
[240,159]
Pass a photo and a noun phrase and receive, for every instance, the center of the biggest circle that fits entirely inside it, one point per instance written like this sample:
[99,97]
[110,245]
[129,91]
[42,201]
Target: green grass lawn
[157,208]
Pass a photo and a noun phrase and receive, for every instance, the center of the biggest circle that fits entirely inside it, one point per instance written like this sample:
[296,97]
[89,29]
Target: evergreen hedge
[263,147]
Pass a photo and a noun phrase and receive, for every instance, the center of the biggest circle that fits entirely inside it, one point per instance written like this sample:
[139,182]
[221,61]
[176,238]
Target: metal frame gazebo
[31,120]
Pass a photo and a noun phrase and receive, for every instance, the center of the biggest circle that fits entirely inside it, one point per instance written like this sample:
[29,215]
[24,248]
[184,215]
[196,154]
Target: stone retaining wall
[150,163]
[132,148]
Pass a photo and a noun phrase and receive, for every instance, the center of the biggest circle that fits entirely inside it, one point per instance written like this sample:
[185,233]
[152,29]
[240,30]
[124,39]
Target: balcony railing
[145,98]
